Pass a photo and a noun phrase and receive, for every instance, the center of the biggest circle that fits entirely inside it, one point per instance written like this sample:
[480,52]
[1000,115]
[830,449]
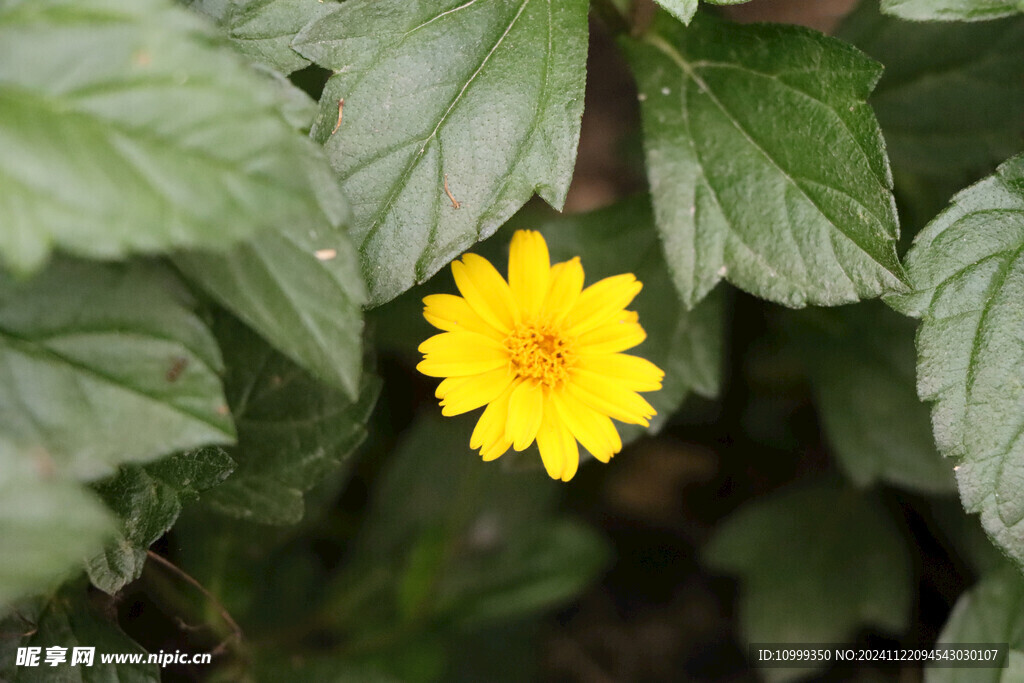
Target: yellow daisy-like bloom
[542,353]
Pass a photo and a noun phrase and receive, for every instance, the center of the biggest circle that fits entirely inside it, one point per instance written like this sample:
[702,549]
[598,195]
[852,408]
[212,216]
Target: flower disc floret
[541,354]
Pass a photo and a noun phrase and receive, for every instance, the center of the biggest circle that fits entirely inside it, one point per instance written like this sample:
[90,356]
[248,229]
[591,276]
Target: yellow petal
[490,428]
[557,445]
[528,269]
[454,314]
[563,291]
[638,374]
[457,354]
[475,391]
[549,443]
[593,430]
[602,301]
[610,397]
[611,337]
[495,450]
[525,411]
[486,291]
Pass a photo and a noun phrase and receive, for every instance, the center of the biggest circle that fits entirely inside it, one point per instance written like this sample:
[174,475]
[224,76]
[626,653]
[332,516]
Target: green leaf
[951,100]
[48,525]
[990,612]
[815,563]
[68,620]
[952,10]
[292,430]
[683,10]
[101,365]
[264,29]
[861,362]
[687,345]
[766,166]
[300,289]
[102,159]
[967,271]
[147,501]
[484,97]
[453,538]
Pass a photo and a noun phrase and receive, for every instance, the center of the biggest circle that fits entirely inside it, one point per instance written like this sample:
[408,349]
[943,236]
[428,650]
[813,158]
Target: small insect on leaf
[177,367]
[341,109]
[455,202]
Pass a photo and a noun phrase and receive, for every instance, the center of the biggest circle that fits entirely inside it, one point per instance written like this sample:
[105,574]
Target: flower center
[539,352]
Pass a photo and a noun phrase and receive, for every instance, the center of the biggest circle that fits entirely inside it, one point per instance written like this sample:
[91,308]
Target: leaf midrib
[399,185]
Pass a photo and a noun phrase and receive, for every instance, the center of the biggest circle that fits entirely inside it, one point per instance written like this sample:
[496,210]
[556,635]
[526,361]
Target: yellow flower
[542,353]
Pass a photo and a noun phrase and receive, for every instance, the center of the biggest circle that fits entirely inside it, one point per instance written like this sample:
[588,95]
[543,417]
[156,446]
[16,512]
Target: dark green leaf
[990,612]
[264,29]
[951,100]
[861,363]
[766,166]
[687,345]
[815,563]
[126,127]
[101,365]
[967,271]
[300,289]
[148,500]
[482,97]
[952,10]
[292,430]
[451,537]
[48,525]
[69,621]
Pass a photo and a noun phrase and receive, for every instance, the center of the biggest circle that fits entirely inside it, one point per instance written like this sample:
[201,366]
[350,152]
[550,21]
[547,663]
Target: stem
[236,630]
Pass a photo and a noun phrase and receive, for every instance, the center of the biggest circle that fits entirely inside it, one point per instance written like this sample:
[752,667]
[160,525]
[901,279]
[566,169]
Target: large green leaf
[101,365]
[300,289]
[990,612]
[861,365]
[815,563]
[68,620]
[967,270]
[126,127]
[292,430]
[264,29]
[48,525]
[147,500]
[951,100]
[687,345]
[481,98]
[952,10]
[766,166]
